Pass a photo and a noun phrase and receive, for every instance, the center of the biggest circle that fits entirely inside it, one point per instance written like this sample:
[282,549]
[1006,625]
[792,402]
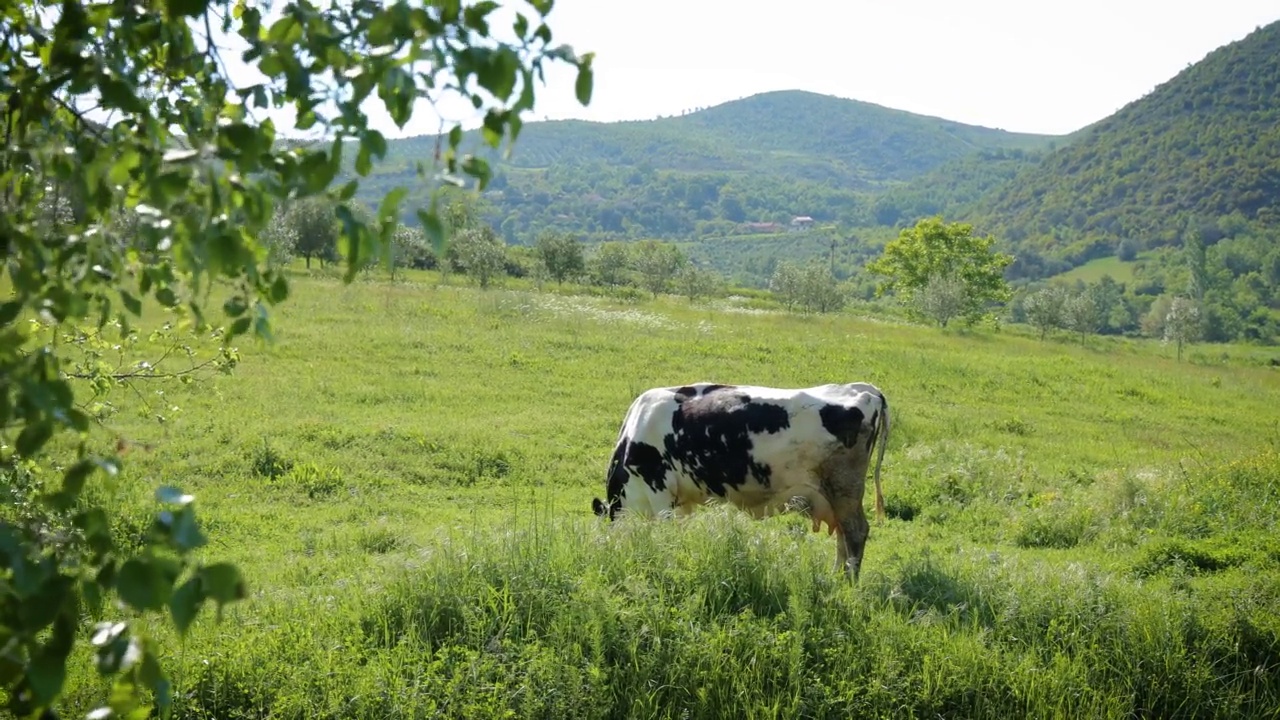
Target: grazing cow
[762,449]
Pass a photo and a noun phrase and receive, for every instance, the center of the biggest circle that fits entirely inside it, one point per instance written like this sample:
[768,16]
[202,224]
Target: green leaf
[372,144]
[319,169]
[73,480]
[270,65]
[241,139]
[433,228]
[186,531]
[222,583]
[32,438]
[153,677]
[474,16]
[492,126]
[261,323]
[363,163]
[9,311]
[235,306]
[279,289]
[498,72]
[583,85]
[96,528]
[348,190]
[478,168]
[239,327]
[389,208]
[47,674]
[398,92]
[39,610]
[124,164]
[141,585]
[166,296]
[117,94]
[377,142]
[92,596]
[131,303]
[184,604]
[286,30]
[187,8]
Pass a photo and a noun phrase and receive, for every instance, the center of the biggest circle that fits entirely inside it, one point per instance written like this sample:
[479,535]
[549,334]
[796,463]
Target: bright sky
[1024,65]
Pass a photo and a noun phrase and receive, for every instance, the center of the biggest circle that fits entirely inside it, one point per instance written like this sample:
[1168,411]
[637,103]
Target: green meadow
[1094,270]
[405,478]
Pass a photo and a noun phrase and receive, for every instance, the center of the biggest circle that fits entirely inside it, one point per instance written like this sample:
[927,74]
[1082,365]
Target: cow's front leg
[842,549]
[852,540]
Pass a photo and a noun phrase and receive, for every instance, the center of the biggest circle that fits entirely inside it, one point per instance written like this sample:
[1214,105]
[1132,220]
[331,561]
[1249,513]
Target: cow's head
[599,508]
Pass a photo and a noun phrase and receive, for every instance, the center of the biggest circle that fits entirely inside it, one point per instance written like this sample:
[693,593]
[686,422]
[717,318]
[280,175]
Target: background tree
[610,263]
[280,238]
[408,249]
[1045,308]
[1083,313]
[1182,323]
[1108,295]
[695,282]
[1127,249]
[787,284]
[810,287]
[176,193]
[560,254]
[481,254]
[657,264]
[314,227]
[932,248]
[820,291]
[942,298]
[1153,321]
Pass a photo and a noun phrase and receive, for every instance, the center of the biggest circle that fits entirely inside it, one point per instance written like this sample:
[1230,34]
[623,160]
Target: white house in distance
[801,222]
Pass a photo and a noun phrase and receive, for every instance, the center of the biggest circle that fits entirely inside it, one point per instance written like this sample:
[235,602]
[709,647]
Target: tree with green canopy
[137,170]
[932,249]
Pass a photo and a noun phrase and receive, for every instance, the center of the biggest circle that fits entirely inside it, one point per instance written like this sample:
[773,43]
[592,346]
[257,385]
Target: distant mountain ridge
[1203,146]
[764,158]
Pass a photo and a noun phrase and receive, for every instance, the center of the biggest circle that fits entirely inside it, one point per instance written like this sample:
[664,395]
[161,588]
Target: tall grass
[722,616]
[405,478]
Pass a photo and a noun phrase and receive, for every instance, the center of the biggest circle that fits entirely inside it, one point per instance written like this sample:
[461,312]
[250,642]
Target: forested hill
[765,158]
[1201,147]
[872,143]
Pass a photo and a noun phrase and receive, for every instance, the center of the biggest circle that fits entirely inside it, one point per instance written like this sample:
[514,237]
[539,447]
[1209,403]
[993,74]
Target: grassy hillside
[1203,146]
[406,479]
[765,158]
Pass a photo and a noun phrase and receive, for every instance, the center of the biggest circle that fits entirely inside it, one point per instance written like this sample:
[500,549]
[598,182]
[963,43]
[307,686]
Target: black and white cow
[762,449]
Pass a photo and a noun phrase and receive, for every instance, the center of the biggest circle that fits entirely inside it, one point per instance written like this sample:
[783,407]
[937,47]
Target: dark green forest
[1200,147]
[1196,160]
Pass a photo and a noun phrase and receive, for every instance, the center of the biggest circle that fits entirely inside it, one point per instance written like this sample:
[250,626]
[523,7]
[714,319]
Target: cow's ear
[597,507]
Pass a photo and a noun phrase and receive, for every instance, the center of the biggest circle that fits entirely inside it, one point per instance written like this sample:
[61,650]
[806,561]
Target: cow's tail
[884,441]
